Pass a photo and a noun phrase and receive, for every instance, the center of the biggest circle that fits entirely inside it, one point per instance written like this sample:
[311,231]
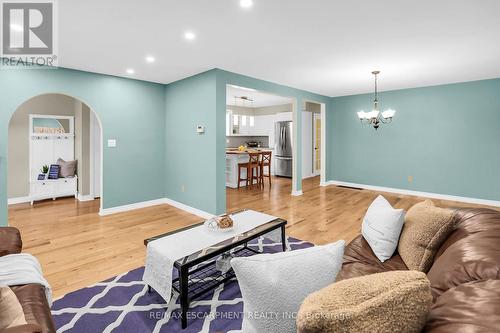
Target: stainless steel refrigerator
[283,149]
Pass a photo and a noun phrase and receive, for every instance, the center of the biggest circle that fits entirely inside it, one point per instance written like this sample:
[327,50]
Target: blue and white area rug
[123,304]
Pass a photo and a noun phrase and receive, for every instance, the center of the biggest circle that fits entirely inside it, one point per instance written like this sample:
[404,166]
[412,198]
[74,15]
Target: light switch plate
[200,129]
[111,143]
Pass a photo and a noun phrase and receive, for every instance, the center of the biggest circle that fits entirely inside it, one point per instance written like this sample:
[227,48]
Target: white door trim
[322,174]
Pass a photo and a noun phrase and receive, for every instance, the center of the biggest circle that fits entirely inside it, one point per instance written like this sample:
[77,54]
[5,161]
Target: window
[252,121]
[243,120]
[235,120]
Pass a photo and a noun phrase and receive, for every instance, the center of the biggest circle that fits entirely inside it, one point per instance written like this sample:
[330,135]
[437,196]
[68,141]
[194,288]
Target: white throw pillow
[273,286]
[381,227]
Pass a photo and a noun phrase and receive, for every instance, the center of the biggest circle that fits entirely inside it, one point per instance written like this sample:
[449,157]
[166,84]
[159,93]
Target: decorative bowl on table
[220,223]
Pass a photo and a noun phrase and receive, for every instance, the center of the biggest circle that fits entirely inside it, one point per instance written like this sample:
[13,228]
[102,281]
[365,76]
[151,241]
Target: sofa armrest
[10,241]
[26,328]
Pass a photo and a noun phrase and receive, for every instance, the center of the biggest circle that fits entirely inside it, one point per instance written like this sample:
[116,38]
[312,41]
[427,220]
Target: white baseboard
[417,193]
[162,201]
[82,197]
[189,209]
[296,193]
[125,208]
[18,200]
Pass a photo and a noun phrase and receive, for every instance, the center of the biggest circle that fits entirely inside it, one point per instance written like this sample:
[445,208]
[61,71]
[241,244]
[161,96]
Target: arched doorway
[47,128]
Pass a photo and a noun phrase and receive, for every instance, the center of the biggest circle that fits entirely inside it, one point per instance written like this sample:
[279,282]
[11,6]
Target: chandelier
[375,117]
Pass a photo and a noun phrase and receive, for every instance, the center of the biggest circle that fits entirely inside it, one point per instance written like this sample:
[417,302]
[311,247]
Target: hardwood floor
[322,214]
[77,247]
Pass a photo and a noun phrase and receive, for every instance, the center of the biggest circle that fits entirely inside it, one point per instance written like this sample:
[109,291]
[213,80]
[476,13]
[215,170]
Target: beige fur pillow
[67,168]
[426,227]
[11,311]
[396,301]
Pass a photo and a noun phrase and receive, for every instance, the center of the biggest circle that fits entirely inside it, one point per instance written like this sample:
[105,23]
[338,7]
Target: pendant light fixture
[375,117]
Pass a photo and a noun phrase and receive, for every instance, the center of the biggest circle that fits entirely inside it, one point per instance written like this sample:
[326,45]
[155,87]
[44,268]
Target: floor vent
[350,187]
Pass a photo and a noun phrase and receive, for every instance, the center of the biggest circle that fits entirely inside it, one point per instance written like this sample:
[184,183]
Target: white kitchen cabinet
[265,126]
[284,116]
[232,161]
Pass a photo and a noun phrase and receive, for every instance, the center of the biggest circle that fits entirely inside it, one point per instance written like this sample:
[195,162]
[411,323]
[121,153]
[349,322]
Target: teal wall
[445,136]
[190,158]
[131,111]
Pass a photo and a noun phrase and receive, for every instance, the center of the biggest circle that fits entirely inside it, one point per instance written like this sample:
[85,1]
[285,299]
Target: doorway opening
[54,151]
[313,136]
[258,122]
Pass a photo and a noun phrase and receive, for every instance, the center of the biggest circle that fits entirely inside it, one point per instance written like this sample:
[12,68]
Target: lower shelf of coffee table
[205,277]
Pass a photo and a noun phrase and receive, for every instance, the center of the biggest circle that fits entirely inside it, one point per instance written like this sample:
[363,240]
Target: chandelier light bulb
[388,113]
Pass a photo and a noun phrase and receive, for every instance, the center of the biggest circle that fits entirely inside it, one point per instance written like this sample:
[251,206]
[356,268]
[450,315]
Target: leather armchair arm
[26,328]
[10,241]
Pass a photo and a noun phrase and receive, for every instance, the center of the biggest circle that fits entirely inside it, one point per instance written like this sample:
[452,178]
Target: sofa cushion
[426,228]
[34,302]
[397,301]
[381,227]
[274,285]
[10,241]
[359,260]
[67,168]
[11,311]
[470,307]
[471,253]
[26,328]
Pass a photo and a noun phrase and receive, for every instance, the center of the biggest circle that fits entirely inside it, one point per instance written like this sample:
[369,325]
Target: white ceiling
[259,99]
[324,46]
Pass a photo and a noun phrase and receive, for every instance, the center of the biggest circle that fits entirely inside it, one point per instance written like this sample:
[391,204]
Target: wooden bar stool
[265,162]
[252,165]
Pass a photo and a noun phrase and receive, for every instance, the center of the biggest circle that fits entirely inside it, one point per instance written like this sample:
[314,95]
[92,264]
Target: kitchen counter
[233,158]
[256,150]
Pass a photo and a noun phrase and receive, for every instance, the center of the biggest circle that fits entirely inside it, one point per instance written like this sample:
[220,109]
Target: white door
[96,156]
[317,143]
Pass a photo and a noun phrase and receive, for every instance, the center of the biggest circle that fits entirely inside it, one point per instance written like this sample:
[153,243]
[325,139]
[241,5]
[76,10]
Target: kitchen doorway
[258,121]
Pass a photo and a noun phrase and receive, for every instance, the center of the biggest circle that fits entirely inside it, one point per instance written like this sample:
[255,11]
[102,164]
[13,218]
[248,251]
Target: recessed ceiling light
[189,35]
[130,71]
[246,3]
[150,59]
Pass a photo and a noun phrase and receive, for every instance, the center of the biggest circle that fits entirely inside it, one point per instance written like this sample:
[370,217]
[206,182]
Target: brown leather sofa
[31,296]
[465,275]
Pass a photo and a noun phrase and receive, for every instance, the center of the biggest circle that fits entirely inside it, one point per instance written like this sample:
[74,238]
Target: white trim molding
[189,209]
[125,208]
[156,202]
[82,197]
[297,193]
[416,193]
[18,200]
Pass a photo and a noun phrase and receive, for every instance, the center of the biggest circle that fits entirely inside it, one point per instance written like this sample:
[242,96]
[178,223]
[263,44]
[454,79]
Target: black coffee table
[197,272]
